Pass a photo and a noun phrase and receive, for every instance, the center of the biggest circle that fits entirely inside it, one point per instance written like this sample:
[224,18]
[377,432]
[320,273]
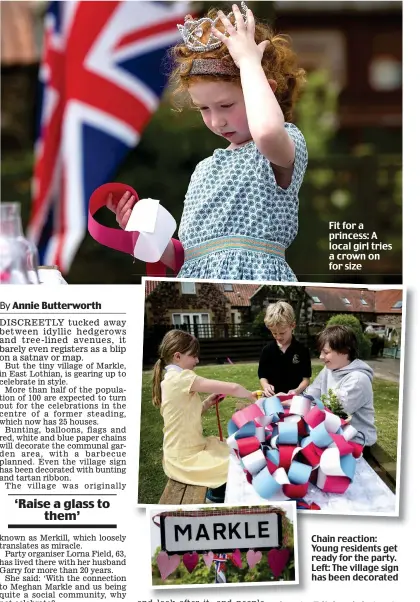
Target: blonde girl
[188,456]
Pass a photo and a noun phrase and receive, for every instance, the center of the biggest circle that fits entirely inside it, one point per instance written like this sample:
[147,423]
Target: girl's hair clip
[192,31]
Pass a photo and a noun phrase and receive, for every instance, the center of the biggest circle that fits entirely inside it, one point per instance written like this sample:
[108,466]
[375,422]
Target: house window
[176,319]
[363,301]
[228,288]
[316,299]
[397,305]
[346,301]
[385,73]
[196,323]
[188,288]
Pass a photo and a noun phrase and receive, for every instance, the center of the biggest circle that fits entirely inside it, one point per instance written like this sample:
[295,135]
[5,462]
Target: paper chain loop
[282,450]
[123,240]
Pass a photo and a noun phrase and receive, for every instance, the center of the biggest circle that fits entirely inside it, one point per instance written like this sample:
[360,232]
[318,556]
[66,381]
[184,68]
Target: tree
[270,293]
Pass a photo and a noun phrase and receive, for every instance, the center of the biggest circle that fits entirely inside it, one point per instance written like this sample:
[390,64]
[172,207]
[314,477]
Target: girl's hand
[121,208]
[211,400]
[241,40]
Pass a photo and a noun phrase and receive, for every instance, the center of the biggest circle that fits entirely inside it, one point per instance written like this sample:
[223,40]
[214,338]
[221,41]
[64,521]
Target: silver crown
[192,31]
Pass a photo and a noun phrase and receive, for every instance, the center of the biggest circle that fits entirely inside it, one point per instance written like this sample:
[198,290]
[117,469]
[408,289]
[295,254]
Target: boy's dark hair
[340,338]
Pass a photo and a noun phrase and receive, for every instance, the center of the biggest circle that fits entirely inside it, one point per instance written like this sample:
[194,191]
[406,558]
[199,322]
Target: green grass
[152,479]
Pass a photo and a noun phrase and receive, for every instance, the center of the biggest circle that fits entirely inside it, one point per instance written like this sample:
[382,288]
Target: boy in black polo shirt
[285,364]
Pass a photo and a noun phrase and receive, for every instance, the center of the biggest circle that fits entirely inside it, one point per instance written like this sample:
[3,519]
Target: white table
[368,494]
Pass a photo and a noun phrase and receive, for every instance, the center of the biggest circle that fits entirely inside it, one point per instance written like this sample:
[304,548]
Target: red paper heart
[237,558]
[190,561]
[277,560]
[167,564]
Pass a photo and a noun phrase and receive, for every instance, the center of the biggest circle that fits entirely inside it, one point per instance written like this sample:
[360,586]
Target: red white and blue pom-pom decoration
[284,449]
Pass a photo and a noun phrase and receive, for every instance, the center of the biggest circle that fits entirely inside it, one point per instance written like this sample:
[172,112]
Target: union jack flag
[101,80]
[220,563]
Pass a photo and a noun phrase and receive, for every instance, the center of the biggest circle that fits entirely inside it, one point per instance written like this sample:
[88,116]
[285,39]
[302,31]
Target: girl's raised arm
[265,117]
[205,385]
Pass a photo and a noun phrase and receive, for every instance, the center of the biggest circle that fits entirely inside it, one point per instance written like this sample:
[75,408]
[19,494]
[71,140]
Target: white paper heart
[167,564]
[208,559]
[253,558]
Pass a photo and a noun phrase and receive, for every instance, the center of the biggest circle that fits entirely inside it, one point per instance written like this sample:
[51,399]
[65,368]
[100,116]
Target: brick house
[200,304]
[318,304]
[326,302]
[369,306]
[388,307]
[218,314]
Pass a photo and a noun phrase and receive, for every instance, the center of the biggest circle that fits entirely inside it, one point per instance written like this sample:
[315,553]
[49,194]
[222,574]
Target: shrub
[258,326]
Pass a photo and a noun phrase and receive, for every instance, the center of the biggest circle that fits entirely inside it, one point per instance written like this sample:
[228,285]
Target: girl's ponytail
[157,379]
[174,341]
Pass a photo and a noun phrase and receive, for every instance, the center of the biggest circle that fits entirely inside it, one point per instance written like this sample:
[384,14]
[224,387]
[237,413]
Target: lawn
[152,479]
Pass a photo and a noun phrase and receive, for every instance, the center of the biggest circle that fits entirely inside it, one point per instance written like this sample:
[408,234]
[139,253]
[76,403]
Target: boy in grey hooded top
[349,377]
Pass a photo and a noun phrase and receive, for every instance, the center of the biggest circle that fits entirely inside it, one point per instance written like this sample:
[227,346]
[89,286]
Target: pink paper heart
[277,560]
[237,558]
[208,559]
[190,561]
[253,558]
[167,564]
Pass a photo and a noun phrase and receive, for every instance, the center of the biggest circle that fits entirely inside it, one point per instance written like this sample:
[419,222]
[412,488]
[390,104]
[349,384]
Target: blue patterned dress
[237,221]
